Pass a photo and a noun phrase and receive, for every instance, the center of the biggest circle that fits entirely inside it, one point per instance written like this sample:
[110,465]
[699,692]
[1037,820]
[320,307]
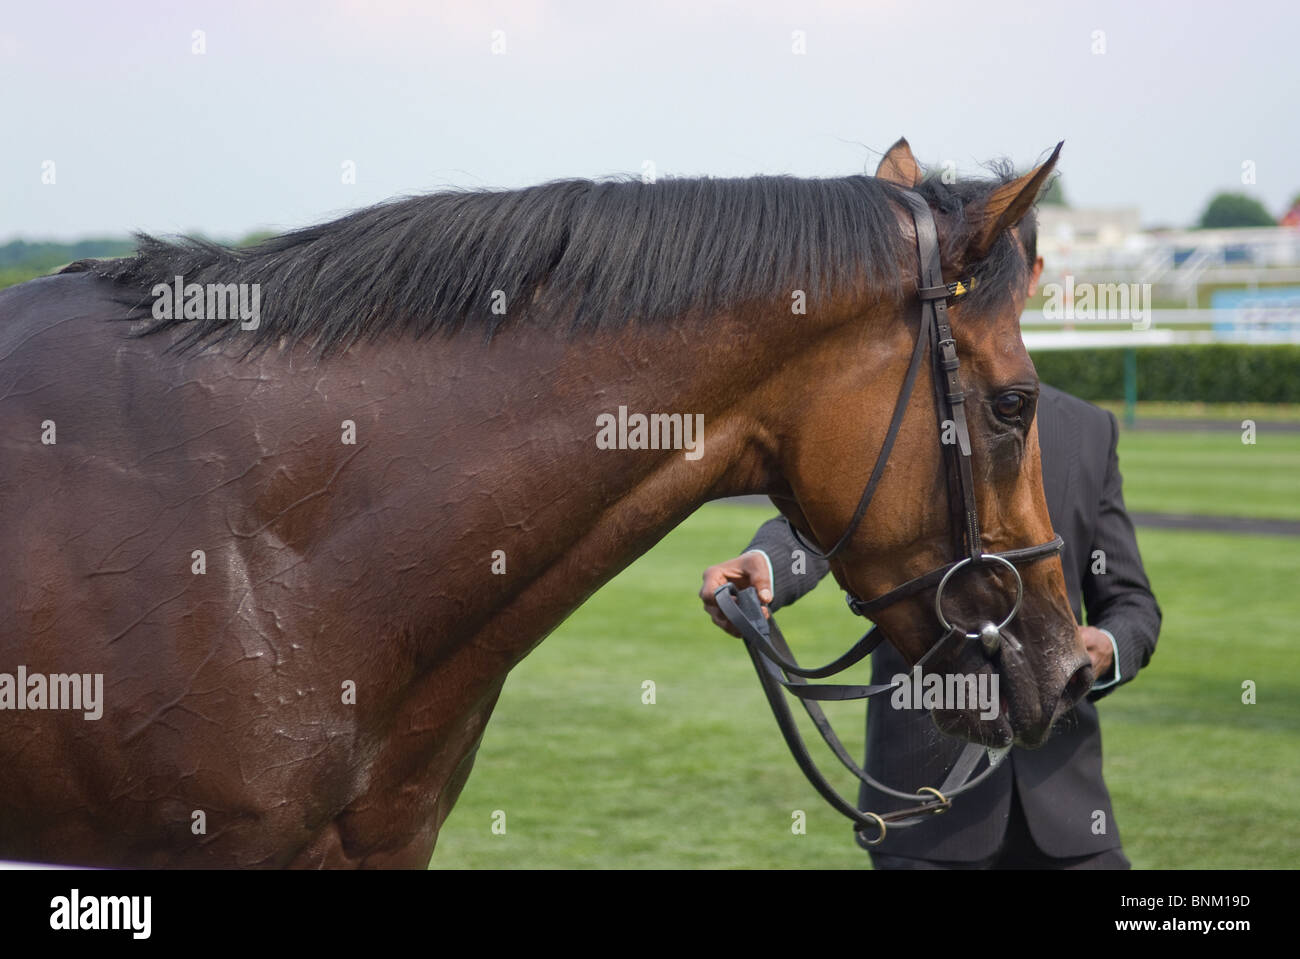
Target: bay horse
[300,551]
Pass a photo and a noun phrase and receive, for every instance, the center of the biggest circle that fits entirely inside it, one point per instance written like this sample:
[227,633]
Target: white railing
[1157,319]
[1112,339]
[1161,328]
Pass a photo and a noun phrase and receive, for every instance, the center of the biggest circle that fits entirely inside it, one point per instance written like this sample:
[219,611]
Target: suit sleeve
[1119,600]
[775,539]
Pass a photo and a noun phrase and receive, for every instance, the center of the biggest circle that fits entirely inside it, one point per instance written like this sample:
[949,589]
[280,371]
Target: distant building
[1108,245]
[1065,229]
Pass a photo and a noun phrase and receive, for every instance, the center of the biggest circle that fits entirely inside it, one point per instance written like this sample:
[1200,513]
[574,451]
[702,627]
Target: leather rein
[777,667]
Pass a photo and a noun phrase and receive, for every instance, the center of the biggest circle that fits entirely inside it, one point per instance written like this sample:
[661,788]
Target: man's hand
[1099,650]
[742,572]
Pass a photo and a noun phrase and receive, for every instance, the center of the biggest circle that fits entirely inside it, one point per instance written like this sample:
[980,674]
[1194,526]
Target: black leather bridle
[776,665]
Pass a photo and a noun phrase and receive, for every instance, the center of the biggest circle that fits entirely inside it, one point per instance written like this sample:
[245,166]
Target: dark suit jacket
[1060,784]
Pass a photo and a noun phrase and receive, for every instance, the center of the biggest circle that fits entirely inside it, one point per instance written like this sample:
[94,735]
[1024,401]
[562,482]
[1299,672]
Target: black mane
[588,254]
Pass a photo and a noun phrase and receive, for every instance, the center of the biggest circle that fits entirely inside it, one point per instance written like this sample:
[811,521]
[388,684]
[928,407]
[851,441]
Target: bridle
[776,665]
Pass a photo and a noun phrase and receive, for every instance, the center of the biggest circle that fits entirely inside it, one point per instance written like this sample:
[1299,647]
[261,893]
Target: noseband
[776,665]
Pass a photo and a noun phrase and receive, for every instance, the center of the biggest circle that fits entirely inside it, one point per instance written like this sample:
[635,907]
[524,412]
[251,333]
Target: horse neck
[529,483]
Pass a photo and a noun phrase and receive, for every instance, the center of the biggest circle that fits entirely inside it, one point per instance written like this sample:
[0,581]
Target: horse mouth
[975,726]
[1013,709]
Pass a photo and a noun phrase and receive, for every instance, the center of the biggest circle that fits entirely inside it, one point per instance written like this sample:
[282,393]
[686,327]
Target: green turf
[1212,473]
[1236,412]
[589,777]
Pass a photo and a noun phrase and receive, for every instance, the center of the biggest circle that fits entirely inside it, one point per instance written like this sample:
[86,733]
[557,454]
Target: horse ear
[899,167]
[1008,204]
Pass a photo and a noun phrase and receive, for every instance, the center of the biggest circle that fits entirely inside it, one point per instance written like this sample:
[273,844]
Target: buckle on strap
[948,354]
[857,606]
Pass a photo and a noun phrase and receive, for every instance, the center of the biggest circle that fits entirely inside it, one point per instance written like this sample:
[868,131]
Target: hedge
[1209,373]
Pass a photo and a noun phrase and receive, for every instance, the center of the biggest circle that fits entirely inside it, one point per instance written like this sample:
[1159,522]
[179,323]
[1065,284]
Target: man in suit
[1042,808]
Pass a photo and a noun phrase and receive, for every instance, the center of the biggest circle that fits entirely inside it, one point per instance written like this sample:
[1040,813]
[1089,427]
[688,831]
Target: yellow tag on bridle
[961,288]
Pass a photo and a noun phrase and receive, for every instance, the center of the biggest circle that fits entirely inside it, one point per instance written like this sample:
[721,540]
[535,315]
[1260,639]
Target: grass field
[590,777]
[1259,412]
[1212,473]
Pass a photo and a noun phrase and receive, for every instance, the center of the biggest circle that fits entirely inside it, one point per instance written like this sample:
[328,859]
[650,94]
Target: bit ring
[983,557]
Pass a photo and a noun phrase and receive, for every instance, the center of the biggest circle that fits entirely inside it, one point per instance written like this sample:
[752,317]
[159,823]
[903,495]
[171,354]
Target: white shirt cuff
[767,559]
[1114,646]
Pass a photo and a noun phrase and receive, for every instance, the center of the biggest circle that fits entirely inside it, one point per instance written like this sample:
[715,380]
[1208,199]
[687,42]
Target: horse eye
[1009,406]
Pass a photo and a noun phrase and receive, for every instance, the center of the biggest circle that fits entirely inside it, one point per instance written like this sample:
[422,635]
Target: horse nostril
[1077,687]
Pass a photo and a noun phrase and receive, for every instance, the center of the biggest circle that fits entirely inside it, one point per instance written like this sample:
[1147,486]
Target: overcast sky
[146,134]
